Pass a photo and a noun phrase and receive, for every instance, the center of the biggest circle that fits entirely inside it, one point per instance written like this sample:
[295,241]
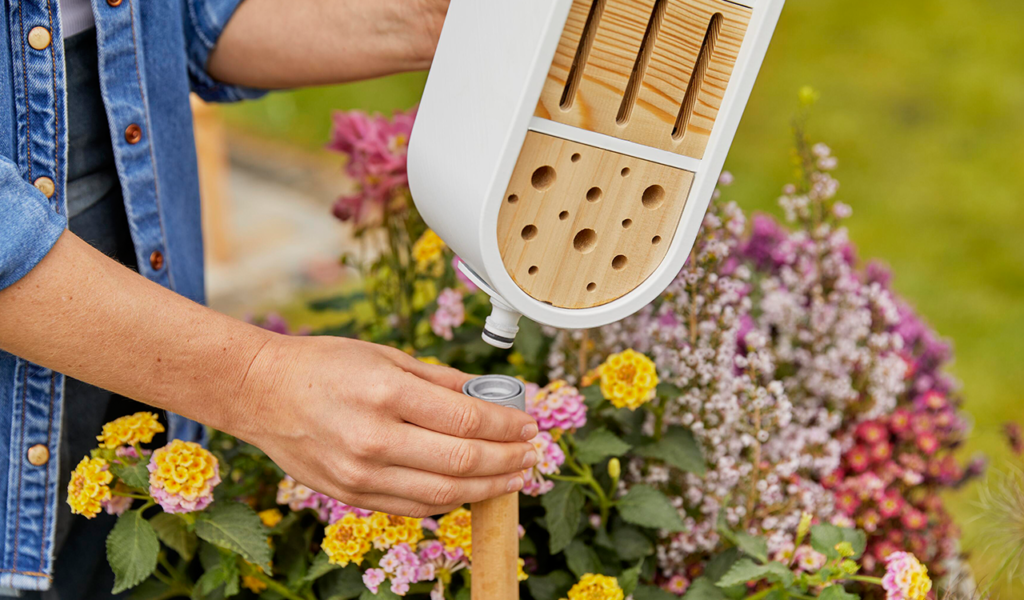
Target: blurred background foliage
[923,103]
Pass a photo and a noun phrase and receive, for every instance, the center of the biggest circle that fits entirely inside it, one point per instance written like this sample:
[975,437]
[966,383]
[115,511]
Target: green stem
[659,418]
[586,477]
[277,587]
[864,579]
[129,495]
[1002,569]
[763,593]
[580,480]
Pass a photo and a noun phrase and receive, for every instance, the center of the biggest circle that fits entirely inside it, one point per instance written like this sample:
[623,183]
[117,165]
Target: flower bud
[803,528]
[614,468]
[845,549]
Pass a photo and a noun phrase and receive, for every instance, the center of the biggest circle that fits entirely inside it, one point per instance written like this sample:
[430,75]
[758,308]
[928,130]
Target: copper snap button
[114,3]
[133,134]
[39,38]
[156,260]
[38,455]
[46,186]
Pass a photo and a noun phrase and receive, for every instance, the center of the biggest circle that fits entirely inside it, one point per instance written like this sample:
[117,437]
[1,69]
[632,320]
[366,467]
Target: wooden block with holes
[582,226]
[652,72]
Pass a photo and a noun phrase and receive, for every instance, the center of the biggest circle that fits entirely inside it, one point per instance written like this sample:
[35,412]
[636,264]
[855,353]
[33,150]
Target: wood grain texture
[543,225]
[613,56]
[495,548]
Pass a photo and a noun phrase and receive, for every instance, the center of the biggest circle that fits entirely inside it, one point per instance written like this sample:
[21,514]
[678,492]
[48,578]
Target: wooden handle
[496,548]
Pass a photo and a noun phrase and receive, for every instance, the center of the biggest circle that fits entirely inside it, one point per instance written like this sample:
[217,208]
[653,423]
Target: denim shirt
[151,54]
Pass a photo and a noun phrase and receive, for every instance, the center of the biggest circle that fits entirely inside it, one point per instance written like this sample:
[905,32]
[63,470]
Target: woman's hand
[378,429]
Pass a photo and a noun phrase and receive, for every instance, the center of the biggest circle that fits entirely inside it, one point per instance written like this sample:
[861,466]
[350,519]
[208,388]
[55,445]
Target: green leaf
[858,539]
[651,592]
[629,578]
[134,476]
[464,594]
[341,584]
[219,582]
[563,506]
[630,543]
[720,564]
[320,567]
[582,559]
[151,589]
[647,507]
[824,539]
[337,303]
[678,448]
[552,586]
[752,545]
[747,571]
[592,396]
[527,547]
[703,589]
[236,527]
[173,532]
[599,445]
[132,549]
[667,390]
[836,592]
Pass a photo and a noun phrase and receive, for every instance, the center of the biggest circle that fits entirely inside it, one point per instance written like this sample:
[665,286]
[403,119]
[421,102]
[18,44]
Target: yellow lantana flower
[348,540]
[596,587]
[520,573]
[253,583]
[455,530]
[271,517]
[89,487]
[182,476]
[391,530]
[133,429]
[628,379]
[427,252]
[593,587]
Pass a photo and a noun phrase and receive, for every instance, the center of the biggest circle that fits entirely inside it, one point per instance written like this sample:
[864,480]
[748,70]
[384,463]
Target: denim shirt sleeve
[204,22]
[28,226]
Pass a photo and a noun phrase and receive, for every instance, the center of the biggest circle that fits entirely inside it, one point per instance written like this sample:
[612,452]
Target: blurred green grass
[923,103]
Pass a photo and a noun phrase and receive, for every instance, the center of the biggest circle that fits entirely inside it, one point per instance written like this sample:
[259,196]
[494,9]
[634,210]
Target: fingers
[444,411]
[436,490]
[446,377]
[434,452]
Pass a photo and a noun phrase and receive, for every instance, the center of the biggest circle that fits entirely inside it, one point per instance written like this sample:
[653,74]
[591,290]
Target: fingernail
[529,432]
[515,484]
[529,459]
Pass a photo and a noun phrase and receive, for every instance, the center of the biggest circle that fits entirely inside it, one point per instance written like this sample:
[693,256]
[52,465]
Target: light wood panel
[613,57]
[496,548]
[562,188]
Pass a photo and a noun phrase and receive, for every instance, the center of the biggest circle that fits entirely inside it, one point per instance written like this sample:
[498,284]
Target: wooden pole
[496,548]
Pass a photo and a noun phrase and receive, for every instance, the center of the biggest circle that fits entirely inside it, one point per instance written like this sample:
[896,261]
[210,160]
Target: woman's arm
[365,424]
[274,44]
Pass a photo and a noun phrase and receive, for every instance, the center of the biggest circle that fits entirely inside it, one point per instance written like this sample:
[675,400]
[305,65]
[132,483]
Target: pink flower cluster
[451,313]
[551,458]
[298,497]
[403,566]
[377,150]
[557,405]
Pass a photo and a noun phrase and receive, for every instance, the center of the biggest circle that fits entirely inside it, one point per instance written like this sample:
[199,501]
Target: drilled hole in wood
[700,70]
[513,199]
[579,62]
[591,286]
[594,194]
[529,232]
[626,223]
[543,178]
[653,196]
[576,157]
[643,58]
[585,241]
[533,270]
[563,215]
[624,172]
[656,240]
[619,262]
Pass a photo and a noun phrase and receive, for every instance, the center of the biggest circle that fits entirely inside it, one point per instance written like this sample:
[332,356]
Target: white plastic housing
[481,94]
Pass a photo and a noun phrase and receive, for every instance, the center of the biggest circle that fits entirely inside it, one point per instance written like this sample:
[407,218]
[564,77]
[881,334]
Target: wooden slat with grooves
[545,262]
[612,58]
